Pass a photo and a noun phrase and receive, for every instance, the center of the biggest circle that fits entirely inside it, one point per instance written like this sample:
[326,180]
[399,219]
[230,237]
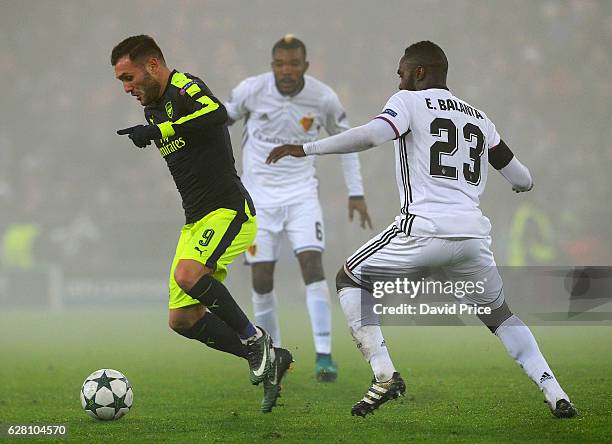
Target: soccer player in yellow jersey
[188,125]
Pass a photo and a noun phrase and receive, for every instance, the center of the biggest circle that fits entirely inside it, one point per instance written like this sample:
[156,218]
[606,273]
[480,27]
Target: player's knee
[187,275]
[311,264]
[263,284]
[343,280]
[312,276]
[262,279]
[496,317]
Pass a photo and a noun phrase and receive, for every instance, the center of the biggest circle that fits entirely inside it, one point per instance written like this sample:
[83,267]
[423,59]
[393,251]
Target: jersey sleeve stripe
[208,106]
[179,80]
[193,90]
[397,134]
[166,129]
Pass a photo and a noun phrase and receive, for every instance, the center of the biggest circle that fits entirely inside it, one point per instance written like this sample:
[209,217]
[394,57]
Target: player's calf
[311,265]
[215,296]
[368,336]
[262,277]
[319,310]
[264,299]
[212,294]
[522,346]
[194,322]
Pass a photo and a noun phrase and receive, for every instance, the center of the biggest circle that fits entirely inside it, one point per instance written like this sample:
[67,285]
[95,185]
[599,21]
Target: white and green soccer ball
[106,394]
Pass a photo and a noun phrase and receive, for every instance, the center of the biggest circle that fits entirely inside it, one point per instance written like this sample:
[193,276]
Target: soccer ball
[106,394]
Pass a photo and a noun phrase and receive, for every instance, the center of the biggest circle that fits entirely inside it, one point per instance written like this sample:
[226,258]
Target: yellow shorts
[214,241]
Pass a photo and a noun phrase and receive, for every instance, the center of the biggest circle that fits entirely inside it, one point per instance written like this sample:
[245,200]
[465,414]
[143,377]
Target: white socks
[522,346]
[366,333]
[264,307]
[318,302]
[319,309]
[514,334]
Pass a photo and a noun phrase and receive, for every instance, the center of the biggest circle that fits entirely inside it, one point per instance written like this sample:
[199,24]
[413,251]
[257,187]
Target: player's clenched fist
[141,135]
[521,189]
[285,150]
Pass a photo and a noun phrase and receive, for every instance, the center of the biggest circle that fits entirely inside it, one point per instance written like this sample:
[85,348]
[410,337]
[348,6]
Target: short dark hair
[137,47]
[289,41]
[427,53]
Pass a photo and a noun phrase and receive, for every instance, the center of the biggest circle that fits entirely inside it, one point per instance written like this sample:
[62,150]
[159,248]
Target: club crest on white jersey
[273,119]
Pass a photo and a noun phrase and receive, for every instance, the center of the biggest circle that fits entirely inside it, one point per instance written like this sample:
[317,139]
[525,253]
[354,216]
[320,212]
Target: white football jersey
[441,155]
[272,119]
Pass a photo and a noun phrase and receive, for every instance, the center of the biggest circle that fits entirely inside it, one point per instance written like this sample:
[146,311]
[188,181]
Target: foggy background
[87,217]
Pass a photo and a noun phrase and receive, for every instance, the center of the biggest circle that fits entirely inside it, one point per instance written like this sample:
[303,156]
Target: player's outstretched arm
[360,138]
[503,160]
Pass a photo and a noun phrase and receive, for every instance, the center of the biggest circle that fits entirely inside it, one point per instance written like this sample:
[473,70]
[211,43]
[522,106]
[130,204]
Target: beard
[151,89]
[288,86]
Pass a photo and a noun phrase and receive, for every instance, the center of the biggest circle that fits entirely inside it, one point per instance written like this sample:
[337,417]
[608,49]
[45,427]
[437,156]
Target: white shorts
[303,223]
[392,253]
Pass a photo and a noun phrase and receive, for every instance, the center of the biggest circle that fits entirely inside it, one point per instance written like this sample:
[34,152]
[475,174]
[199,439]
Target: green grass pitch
[462,387]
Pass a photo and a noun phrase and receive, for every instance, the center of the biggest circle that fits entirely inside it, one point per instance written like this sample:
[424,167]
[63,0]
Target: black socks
[213,332]
[215,296]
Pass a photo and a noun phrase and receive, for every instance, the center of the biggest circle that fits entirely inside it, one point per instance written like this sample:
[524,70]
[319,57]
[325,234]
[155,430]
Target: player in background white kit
[286,106]
[442,147]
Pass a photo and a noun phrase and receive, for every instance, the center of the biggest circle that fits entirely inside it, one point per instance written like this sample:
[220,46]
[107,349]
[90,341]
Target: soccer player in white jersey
[287,106]
[442,147]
